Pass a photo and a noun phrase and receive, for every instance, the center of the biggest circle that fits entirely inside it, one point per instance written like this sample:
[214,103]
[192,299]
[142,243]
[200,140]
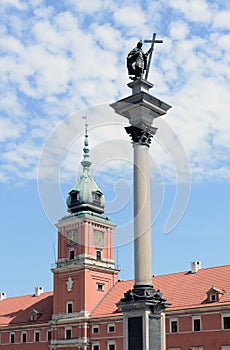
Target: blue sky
[62,60]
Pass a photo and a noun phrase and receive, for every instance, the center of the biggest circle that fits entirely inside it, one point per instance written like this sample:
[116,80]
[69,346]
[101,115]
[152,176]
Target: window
[12,338]
[111,346]
[69,307]
[98,254]
[196,324]
[111,327]
[95,347]
[95,329]
[36,336]
[24,337]
[174,326]
[49,335]
[71,254]
[68,333]
[226,322]
[212,297]
[100,286]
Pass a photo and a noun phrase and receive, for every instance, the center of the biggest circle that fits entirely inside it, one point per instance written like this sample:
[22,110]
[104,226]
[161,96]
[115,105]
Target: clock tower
[85,270]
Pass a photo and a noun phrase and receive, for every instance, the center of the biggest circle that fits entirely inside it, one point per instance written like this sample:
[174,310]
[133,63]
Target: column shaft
[142,216]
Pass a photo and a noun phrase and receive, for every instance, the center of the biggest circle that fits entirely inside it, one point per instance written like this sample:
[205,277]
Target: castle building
[82,311]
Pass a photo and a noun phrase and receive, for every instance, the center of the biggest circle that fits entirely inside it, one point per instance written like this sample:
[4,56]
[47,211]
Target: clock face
[72,238]
[98,238]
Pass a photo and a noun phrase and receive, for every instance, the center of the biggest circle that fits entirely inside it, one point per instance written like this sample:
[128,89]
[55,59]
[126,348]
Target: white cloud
[221,20]
[61,65]
[194,10]
[130,16]
[179,30]
[14,3]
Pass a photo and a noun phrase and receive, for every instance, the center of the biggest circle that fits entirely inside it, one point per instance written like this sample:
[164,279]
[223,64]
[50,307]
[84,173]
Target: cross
[153,41]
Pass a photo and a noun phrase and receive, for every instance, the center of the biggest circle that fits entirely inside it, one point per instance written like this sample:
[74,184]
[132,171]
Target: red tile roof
[18,310]
[182,290]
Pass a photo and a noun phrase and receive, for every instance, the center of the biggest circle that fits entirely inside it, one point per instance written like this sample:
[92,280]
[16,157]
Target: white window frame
[196,318]
[97,344]
[47,332]
[197,348]
[222,320]
[69,302]
[102,288]
[35,332]
[174,348]
[111,325]
[95,327]
[212,295]
[111,342]
[170,325]
[68,329]
[12,334]
[225,347]
[22,337]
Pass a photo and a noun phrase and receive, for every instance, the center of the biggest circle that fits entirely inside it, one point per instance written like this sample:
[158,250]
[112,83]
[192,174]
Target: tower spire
[86,195]
[86,162]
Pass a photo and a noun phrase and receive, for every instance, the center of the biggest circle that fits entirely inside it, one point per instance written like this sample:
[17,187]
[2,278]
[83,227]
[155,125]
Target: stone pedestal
[143,306]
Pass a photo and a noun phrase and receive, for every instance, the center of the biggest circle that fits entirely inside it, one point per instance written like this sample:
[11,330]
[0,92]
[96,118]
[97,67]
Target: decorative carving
[148,294]
[72,238]
[69,284]
[141,135]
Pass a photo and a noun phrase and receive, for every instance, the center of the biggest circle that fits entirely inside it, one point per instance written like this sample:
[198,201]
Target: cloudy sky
[62,60]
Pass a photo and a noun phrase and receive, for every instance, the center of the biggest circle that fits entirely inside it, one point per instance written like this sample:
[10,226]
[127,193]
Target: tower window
[69,307]
[71,254]
[100,286]
[98,255]
[97,197]
[68,333]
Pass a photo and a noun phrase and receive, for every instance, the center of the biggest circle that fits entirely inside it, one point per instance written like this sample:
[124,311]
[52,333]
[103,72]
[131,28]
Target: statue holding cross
[139,62]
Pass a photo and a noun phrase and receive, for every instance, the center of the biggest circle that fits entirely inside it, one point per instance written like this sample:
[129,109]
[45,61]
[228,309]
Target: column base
[154,298]
[143,310]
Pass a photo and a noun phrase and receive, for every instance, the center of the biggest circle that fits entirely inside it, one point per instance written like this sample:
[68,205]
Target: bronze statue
[137,60]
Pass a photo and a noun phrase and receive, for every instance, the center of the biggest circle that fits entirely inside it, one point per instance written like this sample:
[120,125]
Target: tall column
[142,215]
[143,307]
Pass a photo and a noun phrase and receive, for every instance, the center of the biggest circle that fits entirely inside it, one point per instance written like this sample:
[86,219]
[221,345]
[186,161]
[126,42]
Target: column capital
[142,135]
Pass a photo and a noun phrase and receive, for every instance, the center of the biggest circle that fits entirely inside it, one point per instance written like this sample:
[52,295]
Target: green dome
[86,195]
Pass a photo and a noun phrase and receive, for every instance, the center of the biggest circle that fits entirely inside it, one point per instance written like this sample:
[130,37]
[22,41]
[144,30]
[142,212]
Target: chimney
[2,296]
[38,291]
[195,266]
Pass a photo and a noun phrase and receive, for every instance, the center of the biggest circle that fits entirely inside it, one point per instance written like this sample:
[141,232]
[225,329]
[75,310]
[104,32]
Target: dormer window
[74,195]
[212,297]
[214,294]
[34,315]
[97,197]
